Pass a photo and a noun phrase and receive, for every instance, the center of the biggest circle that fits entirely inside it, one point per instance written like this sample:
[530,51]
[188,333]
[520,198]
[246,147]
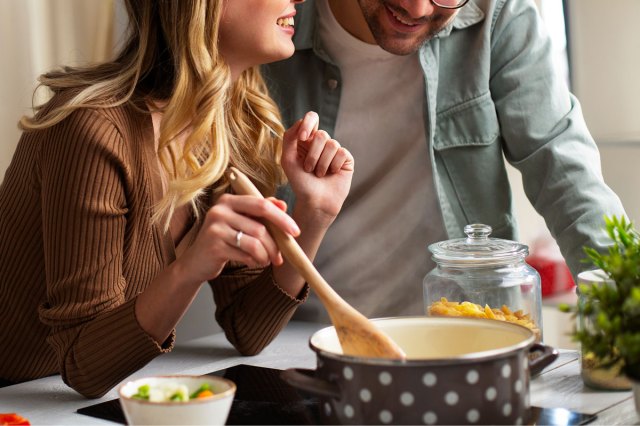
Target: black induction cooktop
[262,398]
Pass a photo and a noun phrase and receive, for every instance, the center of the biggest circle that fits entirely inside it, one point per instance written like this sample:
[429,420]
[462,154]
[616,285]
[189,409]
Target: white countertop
[50,401]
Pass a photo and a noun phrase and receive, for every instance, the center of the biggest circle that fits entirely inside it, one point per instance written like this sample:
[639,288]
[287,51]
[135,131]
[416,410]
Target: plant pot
[601,378]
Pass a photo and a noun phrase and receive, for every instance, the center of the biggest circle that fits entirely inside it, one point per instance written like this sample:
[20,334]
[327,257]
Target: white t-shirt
[375,254]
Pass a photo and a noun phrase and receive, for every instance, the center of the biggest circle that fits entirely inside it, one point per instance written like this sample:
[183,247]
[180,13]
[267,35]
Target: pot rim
[471,357]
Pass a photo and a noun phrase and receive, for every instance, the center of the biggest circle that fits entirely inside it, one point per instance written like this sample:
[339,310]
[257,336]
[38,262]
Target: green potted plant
[610,313]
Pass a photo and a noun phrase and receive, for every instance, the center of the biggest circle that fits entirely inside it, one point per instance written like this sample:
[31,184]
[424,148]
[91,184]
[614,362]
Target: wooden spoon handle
[358,336]
[289,247]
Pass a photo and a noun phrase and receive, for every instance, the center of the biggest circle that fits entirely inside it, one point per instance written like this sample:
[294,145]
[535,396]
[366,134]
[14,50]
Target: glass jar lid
[478,249]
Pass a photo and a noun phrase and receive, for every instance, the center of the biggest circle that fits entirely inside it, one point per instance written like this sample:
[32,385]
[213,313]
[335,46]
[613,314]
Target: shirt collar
[469,15]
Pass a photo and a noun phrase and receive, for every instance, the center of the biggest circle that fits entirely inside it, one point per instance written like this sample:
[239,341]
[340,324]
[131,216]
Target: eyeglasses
[450,4]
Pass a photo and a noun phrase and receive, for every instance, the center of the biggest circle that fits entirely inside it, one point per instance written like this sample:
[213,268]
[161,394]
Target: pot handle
[305,379]
[546,357]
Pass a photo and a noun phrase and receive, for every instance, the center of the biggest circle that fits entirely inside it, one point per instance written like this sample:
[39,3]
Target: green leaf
[612,313]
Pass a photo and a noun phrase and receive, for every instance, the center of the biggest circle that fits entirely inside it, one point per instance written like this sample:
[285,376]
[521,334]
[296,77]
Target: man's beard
[394,44]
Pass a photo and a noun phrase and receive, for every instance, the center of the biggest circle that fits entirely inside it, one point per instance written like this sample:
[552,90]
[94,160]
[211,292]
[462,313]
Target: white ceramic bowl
[211,411]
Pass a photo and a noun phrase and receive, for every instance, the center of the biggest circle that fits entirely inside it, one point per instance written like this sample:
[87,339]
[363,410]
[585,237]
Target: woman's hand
[232,231]
[318,168]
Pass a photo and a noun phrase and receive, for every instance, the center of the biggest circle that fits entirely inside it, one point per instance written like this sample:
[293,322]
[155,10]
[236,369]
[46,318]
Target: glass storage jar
[484,277]
[593,373]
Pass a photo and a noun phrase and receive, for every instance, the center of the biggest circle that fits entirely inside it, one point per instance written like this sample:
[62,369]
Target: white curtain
[39,35]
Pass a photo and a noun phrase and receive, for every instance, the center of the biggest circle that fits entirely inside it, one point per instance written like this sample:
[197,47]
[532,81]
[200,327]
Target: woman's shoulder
[109,123]
[88,140]
[111,135]
[122,114]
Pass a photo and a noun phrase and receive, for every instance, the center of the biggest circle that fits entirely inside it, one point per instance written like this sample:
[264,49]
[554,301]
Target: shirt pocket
[469,123]
[468,153]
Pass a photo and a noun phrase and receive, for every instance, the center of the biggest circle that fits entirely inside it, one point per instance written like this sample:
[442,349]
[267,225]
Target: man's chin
[398,43]
[405,44]
[401,47]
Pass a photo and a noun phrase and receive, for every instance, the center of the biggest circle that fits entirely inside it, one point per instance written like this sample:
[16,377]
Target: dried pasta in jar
[443,307]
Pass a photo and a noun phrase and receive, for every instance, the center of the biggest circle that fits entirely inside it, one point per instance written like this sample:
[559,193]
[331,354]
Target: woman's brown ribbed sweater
[77,245]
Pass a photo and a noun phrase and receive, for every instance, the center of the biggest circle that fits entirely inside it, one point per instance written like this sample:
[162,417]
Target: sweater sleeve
[94,332]
[251,308]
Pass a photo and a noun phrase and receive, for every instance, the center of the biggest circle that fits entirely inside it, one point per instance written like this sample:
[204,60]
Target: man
[429,95]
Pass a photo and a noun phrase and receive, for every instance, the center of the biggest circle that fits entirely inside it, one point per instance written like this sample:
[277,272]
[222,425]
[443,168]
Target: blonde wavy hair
[171,55]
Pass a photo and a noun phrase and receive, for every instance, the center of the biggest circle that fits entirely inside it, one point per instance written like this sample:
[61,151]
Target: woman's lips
[286,23]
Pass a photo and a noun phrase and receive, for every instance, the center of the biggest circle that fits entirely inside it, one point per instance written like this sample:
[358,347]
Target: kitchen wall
[605,55]
[36,36]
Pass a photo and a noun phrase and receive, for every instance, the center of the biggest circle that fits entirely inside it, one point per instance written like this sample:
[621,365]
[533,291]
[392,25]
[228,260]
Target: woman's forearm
[163,303]
[313,229]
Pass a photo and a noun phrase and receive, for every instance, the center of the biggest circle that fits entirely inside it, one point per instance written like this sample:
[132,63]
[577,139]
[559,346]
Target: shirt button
[332,83]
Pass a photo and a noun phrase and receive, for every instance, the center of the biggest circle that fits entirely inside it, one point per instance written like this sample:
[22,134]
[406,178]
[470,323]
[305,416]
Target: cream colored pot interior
[425,338]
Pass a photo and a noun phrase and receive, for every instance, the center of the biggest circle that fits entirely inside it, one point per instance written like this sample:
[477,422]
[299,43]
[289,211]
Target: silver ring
[238,238]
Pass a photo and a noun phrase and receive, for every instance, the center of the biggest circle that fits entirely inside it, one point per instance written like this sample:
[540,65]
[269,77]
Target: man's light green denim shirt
[491,91]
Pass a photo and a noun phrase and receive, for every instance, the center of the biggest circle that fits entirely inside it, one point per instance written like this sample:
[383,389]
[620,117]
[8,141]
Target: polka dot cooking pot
[457,371]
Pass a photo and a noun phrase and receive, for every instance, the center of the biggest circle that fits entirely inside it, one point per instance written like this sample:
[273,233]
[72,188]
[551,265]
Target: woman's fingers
[319,153]
[241,256]
[265,209]
[278,203]
[324,155]
[328,155]
[252,238]
[243,217]
[343,160]
[315,147]
[308,126]
[301,131]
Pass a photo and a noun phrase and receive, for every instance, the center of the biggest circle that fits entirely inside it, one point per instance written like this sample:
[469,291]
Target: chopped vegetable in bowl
[171,391]
[177,400]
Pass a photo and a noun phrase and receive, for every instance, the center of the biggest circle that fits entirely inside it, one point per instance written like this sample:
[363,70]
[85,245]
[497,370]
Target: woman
[115,209]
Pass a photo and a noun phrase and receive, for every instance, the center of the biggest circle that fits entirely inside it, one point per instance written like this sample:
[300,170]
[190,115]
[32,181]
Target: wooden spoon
[358,336]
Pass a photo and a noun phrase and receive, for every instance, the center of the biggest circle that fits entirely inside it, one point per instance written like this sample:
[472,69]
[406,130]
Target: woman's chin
[284,52]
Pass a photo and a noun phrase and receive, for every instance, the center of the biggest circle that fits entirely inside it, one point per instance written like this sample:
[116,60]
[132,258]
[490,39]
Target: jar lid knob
[477,231]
